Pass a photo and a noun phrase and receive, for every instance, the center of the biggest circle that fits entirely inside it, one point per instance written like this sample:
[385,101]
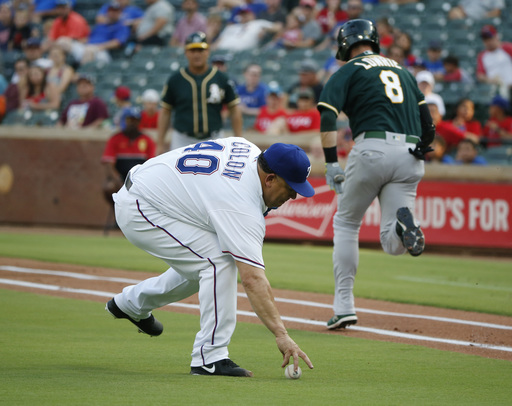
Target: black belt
[128,182]
[201,136]
[413,139]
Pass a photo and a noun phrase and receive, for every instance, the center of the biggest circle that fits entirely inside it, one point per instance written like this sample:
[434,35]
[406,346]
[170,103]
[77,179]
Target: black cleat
[224,367]
[149,326]
[341,321]
[410,233]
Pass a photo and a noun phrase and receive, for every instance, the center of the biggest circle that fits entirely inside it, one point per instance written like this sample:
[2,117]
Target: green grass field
[57,351]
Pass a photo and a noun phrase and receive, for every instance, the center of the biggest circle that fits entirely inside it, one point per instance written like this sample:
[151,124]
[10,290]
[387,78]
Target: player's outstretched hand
[334,176]
[289,348]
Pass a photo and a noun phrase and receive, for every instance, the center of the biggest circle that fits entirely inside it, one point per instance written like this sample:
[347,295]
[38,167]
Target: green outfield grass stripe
[285,318]
[450,283]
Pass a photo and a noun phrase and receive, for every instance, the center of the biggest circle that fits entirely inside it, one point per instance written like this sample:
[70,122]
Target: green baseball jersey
[197,100]
[376,93]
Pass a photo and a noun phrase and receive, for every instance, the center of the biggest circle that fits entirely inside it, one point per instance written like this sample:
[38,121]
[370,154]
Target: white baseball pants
[196,265]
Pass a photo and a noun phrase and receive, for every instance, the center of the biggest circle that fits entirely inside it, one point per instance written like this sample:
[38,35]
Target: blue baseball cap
[292,164]
[133,112]
[500,102]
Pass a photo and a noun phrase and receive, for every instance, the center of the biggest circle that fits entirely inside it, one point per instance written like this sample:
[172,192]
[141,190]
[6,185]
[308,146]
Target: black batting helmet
[197,40]
[354,32]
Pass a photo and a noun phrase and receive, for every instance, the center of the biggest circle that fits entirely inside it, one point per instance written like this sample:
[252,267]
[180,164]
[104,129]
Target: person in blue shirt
[104,37]
[467,153]
[130,14]
[434,60]
[253,92]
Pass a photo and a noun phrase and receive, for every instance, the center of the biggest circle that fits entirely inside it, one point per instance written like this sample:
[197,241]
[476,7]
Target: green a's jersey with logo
[197,100]
[376,93]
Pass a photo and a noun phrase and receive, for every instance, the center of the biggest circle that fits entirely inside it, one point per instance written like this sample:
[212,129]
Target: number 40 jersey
[213,185]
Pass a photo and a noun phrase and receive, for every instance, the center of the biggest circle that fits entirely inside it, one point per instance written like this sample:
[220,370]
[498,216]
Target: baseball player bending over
[201,209]
[392,130]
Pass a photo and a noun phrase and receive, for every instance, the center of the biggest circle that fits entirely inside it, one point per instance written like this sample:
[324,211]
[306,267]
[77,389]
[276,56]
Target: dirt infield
[451,330]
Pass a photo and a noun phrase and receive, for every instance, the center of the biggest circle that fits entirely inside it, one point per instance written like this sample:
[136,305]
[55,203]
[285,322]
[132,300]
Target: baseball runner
[392,129]
[197,95]
[201,209]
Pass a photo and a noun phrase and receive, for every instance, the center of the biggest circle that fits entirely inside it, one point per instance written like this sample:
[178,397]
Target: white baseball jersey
[213,185]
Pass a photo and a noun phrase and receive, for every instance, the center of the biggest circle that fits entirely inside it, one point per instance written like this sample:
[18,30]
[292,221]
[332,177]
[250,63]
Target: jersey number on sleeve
[200,164]
[392,86]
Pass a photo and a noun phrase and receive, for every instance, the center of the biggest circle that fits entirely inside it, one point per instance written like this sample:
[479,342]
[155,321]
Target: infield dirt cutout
[479,334]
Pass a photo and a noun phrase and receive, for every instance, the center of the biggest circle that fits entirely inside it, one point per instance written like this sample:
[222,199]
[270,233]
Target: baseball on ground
[291,374]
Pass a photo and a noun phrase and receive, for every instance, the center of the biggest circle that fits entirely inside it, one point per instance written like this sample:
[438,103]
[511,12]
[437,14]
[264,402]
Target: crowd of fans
[53,41]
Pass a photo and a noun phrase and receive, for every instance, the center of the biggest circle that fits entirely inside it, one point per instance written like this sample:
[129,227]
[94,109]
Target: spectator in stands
[397,54]
[157,24]
[446,129]
[311,30]
[21,29]
[60,74]
[68,24]
[122,100]
[355,9]
[464,117]
[192,21]
[304,119]
[34,53]
[38,94]
[88,111]
[19,80]
[426,83]
[252,93]
[467,154]
[404,41]
[45,9]
[386,33]
[290,35]
[130,14]
[149,115]
[453,72]
[331,15]
[123,151]
[494,64]
[275,13]
[477,9]
[308,78]
[434,61]
[272,110]
[244,35]
[220,61]
[103,39]
[498,127]
[5,25]
[439,153]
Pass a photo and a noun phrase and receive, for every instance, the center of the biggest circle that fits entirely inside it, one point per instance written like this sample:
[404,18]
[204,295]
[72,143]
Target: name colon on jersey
[369,62]
[235,164]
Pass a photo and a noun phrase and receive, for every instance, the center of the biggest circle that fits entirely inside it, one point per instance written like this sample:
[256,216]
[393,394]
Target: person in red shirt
[499,125]
[305,118]
[69,24]
[464,117]
[149,114]
[446,129]
[123,151]
[331,15]
[272,110]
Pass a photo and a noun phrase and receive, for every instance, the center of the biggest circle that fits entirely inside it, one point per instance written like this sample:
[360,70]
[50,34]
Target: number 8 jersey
[376,93]
[213,185]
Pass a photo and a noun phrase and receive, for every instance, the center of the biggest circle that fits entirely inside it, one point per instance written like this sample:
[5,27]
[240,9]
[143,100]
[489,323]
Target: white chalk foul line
[277,299]
[252,314]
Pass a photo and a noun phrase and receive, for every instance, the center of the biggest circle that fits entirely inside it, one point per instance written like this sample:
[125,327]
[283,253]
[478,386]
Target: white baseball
[291,374]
